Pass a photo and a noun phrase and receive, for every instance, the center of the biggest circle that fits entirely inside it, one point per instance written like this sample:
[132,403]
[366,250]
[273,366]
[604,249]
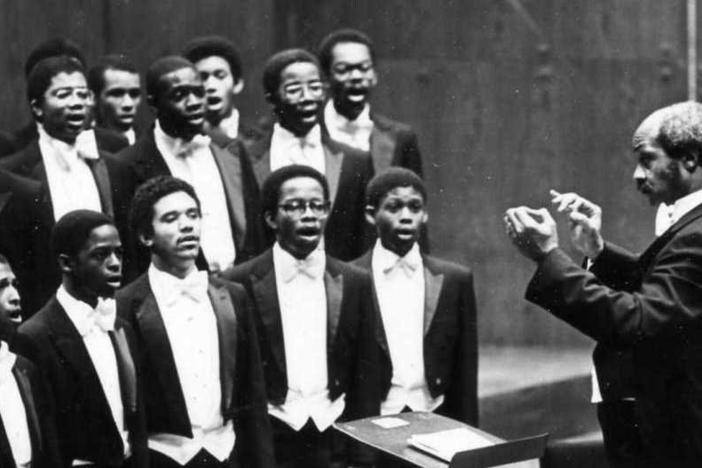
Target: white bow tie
[407,266]
[102,318]
[194,287]
[312,267]
[183,148]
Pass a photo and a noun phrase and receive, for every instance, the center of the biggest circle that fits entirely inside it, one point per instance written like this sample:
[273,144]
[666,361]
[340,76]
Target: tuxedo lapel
[30,407]
[6,457]
[149,161]
[433,283]
[333,159]
[226,330]
[366,262]
[334,286]
[102,181]
[259,150]
[230,172]
[158,350]
[382,147]
[125,366]
[646,259]
[265,294]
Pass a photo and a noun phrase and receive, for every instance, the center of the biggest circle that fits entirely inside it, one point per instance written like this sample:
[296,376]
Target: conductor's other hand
[532,231]
[584,222]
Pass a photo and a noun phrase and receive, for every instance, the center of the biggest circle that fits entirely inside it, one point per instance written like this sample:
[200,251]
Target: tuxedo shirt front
[230,125]
[12,410]
[193,162]
[191,326]
[303,309]
[102,355]
[287,148]
[399,284]
[355,133]
[71,182]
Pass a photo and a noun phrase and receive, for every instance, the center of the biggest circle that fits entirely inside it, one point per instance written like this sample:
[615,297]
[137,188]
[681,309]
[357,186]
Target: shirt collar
[386,260]
[174,146]
[78,311]
[130,135]
[7,361]
[167,287]
[333,119]
[288,267]
[230,125]
[684,205]
[283,136]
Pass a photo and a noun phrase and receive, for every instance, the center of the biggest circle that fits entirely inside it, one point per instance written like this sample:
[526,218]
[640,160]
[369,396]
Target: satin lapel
[158,347]
[366,262]
[47,207]
[150,162]
[102,180]
[334,285]
[70,345]
[266,296]
[431,296]
[382,147]
[646,258]
[127,372]
[30,406]
[230,171]
[259,152]
[226,330]
[333,160]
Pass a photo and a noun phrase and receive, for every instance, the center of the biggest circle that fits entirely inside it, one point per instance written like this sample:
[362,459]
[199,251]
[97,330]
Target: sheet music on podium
[446,444]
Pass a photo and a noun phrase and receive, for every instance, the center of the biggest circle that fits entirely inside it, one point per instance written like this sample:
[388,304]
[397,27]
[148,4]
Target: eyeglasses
[295,90]
[343,68]
[298,207]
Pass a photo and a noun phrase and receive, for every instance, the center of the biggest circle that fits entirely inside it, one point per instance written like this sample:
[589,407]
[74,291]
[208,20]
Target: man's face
[63,110]
[97,267]
[657,175]
[351,74]
[299,97]
[176,229]
[181,103]
[399,219]
[220,87]
[119,100]
[300,217]
[10,310]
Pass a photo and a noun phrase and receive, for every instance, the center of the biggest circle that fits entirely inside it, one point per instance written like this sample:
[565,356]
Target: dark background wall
[509,97]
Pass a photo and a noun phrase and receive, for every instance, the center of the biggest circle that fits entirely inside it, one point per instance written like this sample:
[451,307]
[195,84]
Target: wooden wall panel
[509,97]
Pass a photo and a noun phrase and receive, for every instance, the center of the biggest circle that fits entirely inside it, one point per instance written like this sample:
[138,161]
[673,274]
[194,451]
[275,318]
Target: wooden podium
[393,441]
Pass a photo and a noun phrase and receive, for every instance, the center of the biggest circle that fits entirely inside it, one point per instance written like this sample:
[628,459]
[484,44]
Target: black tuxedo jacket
[87,429]
[652,306]
[348,171]
[243,390]
[351,321]
[40,418]
[393,143]
[33,219]
[240,189]
[450,338]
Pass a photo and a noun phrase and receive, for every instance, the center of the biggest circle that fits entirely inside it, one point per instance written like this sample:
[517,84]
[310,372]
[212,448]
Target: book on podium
[429,440]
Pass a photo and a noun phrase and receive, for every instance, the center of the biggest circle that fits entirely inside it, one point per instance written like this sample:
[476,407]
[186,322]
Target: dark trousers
[620,431]
[203,459]
[306,448]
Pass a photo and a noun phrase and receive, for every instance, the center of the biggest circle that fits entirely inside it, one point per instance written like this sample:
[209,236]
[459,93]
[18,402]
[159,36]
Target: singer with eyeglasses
[315,319]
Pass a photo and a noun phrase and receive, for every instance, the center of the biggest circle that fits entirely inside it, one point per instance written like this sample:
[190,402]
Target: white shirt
[71,182]
[130,135]
[12,410]
[96,338]
[399,283]
[191,326]
[230,125]
[287,149]
[355,133]
[193,162]
[303,300]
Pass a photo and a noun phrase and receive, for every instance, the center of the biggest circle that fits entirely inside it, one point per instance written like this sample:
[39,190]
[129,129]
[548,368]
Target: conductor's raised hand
[533,232]
[584,222]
